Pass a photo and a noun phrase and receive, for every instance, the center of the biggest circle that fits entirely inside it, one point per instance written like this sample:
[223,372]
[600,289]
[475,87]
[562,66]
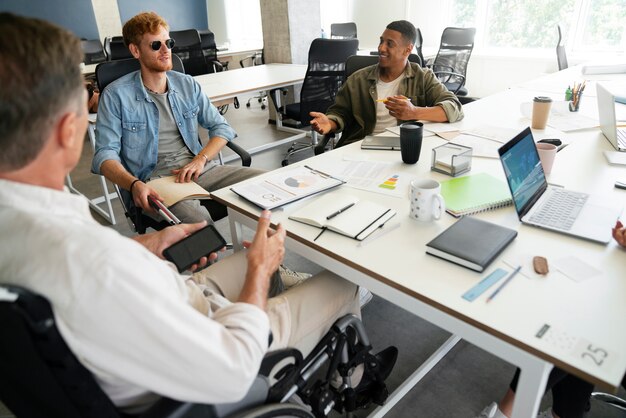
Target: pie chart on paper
[300,182]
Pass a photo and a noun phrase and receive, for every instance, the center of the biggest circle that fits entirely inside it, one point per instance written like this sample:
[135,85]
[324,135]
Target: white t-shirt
[383,90]
[124,312]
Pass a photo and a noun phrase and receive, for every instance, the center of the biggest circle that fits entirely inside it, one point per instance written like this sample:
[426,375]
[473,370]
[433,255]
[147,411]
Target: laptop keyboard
[621,138]
[560,210]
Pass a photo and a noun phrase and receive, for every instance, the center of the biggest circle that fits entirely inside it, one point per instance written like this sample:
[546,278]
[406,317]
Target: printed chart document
[286,186]
[344,214]
[374,176]
[173,192]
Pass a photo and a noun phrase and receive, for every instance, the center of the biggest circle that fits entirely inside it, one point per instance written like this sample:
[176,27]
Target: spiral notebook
[474,193]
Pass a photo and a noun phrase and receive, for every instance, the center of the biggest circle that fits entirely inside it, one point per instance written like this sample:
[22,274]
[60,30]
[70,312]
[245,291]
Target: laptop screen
[523,171]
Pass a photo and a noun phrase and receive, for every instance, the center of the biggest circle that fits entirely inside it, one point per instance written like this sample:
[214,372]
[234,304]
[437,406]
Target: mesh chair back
[41,377]
[93,51]
[343,30]
[561,57]
[419,42]
[189,48]
[116,49]
[209,50]
[325,74]
[453,56]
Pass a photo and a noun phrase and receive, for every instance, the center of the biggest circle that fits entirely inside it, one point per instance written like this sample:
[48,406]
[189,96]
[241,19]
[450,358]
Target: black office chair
[561,56]
[353,64]
[115,48]
[41,377]
[324,75]
[209,50]
[450,64]
[343,30]
[93,51]
[189,48]
[108,72]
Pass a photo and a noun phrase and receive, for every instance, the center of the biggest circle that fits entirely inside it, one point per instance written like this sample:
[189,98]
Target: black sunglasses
[156,45]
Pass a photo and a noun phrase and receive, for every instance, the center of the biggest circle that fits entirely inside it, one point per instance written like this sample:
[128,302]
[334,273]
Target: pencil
[387,99]
[504,283]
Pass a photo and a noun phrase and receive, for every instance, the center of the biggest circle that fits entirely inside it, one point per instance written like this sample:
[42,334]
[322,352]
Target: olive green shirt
[354,109]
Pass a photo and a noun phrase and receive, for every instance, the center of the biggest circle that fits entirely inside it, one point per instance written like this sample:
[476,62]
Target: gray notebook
[471,243]
[390,143]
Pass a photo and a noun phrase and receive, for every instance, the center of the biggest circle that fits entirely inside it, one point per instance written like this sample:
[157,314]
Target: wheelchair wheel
[275,410]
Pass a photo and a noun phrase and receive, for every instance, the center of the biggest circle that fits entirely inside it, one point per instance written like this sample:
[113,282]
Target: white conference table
[585,337]
[228,84]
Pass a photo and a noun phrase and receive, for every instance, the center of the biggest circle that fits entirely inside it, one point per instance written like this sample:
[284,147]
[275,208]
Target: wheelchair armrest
[169,408]
[246,159]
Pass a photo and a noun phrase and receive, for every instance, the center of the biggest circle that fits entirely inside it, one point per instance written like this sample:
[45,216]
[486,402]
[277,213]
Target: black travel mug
[411,141]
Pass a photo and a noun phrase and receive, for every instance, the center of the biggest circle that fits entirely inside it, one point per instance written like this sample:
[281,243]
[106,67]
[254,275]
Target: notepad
[344,214]
[173,192]
[474,193]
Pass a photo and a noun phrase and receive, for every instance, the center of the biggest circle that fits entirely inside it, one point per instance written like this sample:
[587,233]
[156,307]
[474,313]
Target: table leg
[236,232]
[530,388]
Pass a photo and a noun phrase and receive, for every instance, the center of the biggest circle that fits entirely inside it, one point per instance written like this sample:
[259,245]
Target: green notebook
[474,193]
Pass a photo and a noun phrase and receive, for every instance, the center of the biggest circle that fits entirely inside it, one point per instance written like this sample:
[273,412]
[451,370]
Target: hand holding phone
[189,250]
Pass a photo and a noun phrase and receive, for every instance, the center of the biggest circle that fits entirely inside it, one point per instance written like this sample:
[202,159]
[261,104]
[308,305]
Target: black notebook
[471,242]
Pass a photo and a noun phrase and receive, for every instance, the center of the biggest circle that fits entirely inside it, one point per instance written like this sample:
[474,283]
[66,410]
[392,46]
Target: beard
[159,64]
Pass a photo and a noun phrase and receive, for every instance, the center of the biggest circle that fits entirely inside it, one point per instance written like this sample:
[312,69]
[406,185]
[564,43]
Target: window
[587,24]
[243,21]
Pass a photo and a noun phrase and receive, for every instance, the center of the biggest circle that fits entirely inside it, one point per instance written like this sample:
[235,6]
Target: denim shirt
[127,128]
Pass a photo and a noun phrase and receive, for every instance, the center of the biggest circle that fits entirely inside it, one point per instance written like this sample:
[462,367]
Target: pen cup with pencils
[576,96]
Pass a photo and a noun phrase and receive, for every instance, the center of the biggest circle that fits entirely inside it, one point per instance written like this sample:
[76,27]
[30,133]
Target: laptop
[608,122]
[554,208]
[390,143]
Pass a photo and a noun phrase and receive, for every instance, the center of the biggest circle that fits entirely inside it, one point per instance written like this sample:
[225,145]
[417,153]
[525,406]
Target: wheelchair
[42,377]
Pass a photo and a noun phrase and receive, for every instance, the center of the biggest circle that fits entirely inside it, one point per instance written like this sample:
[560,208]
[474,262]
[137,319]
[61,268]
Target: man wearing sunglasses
[148,125]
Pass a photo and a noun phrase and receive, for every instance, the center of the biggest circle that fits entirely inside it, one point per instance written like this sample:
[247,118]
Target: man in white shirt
[139,326]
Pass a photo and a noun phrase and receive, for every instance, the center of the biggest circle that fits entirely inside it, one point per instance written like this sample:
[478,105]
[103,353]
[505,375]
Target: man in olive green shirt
[407,92]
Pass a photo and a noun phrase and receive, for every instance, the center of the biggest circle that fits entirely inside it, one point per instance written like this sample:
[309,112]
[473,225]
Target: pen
[322,174]
[163,211]
[332,215]
[504,283]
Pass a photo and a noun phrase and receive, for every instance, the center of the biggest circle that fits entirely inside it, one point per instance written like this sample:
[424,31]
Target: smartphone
[191,249]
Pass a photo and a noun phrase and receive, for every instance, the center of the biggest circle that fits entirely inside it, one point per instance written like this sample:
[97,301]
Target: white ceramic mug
[427,203]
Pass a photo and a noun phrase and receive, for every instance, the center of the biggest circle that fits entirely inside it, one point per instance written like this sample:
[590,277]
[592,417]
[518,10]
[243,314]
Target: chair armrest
[448,75]
[249,57]
[246,160]
[321,145]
